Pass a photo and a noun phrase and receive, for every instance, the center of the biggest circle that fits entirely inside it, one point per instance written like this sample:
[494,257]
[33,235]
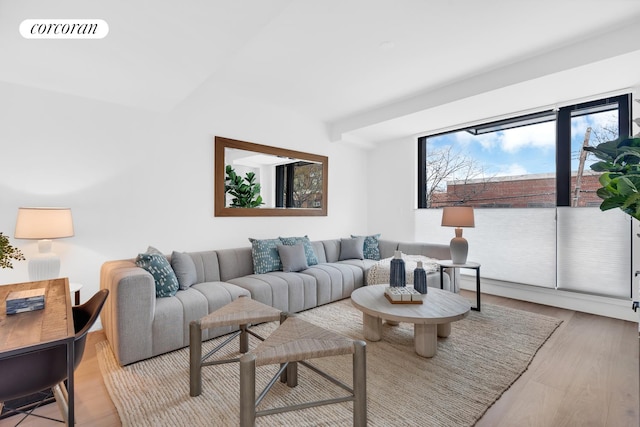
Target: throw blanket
[379,273]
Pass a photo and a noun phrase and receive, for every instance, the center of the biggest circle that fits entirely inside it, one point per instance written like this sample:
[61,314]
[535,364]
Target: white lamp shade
[44,223]
[458,216]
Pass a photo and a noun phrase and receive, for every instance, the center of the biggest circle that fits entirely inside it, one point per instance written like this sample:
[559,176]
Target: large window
[526,176]
[524,162]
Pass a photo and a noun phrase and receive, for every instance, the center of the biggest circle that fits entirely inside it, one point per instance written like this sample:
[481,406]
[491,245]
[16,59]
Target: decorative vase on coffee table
[420,279]
[397,273]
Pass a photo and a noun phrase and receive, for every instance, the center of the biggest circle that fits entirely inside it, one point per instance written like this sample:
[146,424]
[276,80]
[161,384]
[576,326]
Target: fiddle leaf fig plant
[8,253]
[245,191]
[619,162]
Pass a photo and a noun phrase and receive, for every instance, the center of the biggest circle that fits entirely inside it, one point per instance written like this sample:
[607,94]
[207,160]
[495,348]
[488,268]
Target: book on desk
[28,300]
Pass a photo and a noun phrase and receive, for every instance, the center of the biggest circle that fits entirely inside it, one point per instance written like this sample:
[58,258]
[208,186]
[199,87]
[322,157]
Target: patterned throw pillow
[371,248]
[163,275]
[265,255]
[312,259]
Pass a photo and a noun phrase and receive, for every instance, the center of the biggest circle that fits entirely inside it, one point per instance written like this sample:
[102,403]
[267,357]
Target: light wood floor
[587,374]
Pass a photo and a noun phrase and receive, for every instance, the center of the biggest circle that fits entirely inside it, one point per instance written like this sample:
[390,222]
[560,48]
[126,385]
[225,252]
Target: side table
[447,263]
[74,288]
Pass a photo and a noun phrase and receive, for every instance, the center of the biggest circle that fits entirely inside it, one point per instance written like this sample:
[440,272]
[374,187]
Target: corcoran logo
[64,29]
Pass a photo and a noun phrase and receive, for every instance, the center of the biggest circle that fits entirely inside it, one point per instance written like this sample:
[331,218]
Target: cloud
[537,136]
[511,140]
[487,141]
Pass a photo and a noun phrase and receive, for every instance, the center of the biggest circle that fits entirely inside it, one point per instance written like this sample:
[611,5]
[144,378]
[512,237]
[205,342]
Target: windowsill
[593,304]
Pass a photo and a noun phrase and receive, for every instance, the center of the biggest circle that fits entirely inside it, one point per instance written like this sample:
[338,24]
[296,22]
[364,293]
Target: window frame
[563,117]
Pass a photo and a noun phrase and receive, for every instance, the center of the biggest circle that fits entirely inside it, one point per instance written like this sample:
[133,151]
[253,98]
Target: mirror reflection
[258,180]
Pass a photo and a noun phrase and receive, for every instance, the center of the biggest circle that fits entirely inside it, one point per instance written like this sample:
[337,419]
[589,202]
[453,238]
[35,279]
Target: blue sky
[524,150]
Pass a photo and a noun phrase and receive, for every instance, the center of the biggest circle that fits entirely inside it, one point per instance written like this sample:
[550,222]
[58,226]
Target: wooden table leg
[195,358]
[444,330]
[372,327]
[426,339]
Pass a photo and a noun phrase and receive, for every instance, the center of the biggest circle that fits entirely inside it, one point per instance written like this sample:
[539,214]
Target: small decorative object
[29,300]
[402,295]
[420,279]
[397,275]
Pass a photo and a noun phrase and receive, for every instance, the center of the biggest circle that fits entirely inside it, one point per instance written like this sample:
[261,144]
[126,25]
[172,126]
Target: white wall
[135,178]
[392,185]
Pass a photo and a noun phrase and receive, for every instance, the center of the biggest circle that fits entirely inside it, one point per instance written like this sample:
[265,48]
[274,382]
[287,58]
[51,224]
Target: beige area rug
[483,356]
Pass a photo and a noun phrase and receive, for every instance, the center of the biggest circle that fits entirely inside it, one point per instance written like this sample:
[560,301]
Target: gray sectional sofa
[138,325]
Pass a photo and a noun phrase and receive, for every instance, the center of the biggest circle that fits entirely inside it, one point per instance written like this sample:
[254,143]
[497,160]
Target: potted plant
[8,253]
[619,162]
[245,194]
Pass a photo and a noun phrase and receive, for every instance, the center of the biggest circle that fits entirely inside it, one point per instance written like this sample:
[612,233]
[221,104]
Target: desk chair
[32,372]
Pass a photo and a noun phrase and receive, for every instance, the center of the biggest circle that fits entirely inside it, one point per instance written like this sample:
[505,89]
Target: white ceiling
[371,70]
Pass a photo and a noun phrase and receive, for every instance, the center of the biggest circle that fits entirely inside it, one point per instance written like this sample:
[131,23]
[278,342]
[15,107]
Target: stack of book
[402,295]
[29,300]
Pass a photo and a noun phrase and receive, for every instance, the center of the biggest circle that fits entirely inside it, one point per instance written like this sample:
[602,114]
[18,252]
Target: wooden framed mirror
[291,183]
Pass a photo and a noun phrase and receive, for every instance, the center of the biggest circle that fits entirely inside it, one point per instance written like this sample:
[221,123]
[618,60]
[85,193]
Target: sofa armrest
[128,314]
[430,250]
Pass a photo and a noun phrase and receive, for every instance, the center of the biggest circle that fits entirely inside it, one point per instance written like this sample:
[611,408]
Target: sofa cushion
[387,248]
[234,263]
[265,255]
[309,252]
[352,248]
[293,258]
[184,268]
[208,267]
[335,281]
[165,279]
[371,249]
[289,292]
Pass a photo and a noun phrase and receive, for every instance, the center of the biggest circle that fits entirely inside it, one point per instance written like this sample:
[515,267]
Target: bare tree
[604,133]
[307,185]
[446,165]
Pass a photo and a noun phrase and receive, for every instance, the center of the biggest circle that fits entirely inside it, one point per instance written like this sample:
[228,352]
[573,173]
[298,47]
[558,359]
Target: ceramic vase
[397,273]
[420,279]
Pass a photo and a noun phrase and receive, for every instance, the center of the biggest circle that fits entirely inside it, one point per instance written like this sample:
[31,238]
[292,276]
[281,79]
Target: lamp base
[459,248]
[44,266]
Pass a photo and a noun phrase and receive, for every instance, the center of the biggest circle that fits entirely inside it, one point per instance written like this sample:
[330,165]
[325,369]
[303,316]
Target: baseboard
[593,304]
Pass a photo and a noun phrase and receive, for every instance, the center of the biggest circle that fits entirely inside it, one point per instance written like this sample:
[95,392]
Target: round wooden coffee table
[431,319]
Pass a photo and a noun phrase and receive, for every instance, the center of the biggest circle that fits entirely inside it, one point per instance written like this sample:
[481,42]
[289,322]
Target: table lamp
[44,224]
[458,216]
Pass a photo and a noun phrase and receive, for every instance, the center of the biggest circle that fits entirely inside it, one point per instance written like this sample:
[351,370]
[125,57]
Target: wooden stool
[243,312]
[295,341]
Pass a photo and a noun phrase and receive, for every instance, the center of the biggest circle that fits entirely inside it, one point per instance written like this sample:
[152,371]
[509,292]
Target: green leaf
[631,200]
[625,186]
[603,193]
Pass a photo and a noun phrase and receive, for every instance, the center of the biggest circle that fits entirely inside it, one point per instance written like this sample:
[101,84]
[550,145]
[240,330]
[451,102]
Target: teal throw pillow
[312,259]
[371,248]
[157,264]
[265,255]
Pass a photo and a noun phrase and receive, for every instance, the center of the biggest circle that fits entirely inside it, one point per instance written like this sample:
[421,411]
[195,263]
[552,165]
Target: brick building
[522,191]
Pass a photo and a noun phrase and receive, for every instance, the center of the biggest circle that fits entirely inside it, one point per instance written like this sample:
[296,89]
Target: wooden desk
[40,329]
